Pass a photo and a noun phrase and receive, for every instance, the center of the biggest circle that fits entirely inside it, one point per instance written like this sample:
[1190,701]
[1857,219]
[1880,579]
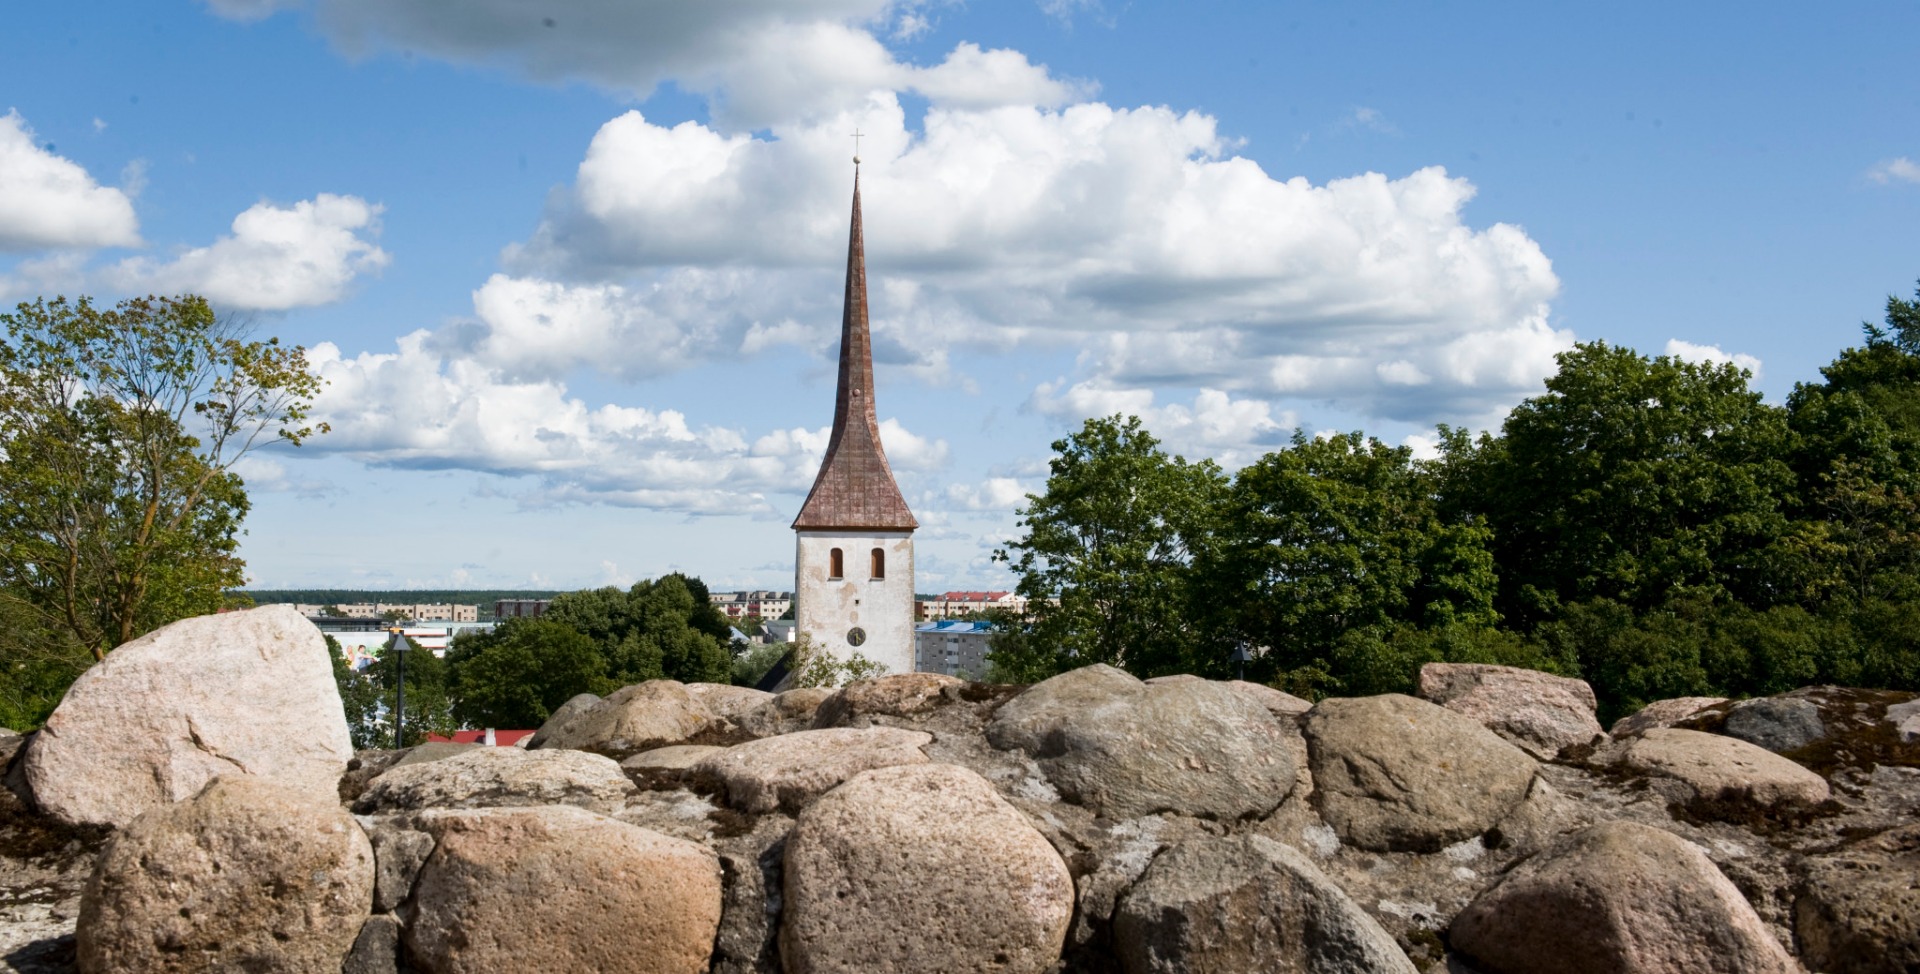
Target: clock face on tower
[856,636]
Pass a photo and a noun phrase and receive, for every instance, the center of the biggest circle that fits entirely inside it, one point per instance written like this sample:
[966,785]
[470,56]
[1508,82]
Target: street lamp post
[398,645]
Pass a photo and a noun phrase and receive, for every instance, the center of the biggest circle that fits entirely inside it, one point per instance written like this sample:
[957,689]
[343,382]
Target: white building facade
[857,610]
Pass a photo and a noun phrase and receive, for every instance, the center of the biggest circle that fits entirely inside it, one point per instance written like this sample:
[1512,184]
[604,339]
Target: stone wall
[1093,822]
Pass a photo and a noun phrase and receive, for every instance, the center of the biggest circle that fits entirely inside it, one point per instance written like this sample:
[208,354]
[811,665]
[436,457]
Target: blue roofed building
[954,647]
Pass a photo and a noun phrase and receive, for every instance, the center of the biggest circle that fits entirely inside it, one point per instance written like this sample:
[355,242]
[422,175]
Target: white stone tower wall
[825,608]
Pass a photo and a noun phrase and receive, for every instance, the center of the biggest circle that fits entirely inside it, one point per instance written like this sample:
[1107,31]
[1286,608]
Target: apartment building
[953,647]
[415,612]
[520,608]
[765,604]
[951,605]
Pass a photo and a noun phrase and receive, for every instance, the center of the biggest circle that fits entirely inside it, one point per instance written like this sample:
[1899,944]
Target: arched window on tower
[836,564]
[879,563]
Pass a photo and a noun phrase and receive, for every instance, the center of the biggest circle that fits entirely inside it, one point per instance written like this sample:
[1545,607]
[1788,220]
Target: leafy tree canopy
[1105,559]
[657,629]
[517,675]
[119,507]
[1635,479]
[1646,523]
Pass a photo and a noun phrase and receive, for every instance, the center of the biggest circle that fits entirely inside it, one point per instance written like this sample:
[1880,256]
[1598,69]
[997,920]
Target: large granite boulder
[248,875]
[1905,720]
[11,744]
[893,695]
[576,705]
[727,701]
[985,890]
[657,713]
[1540,712]
[788,711]
[400,848]
[1125,748]
[560,889]
[1617,898]
[377,949]
[1393,773]
[1721,770]
[788,771]
[433,751]
[748,942]
[1858,911]
[679,757]
[1663,713]
[1247,903]
[1278,702]
[487,777]
[1031,719]
[1776,723]
[236,693]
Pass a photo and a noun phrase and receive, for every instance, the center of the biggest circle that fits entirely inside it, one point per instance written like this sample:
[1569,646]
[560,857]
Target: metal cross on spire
[856,145]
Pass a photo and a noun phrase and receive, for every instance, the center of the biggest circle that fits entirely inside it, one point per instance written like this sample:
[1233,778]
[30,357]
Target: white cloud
[545,329]
[413,408]
[49,201]
[992,494]
[1012,214]
[908,451]
[276,258]
[1131,233]
[1424,446]
[758,61]
[263,473]
[912,25]
[1064,10]
[1903,170]
[1711,354]
[58,272]
[250,9]
[133,177]
[1215,425]
[1372,120]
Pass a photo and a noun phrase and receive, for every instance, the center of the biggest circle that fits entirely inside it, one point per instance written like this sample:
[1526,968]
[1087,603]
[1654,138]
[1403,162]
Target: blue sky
[572,268]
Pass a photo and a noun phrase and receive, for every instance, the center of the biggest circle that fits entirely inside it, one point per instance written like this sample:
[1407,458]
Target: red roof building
[501,738]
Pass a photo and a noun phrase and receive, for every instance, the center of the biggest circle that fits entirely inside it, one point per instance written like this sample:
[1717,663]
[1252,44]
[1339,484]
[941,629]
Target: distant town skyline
[573,276]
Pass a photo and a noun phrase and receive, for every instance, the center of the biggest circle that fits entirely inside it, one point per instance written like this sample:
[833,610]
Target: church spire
[855,488]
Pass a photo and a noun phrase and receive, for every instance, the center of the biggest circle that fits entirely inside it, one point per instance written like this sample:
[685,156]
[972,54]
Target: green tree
[812,668]
[657,629]
[1107,558]
[1856,453]
[517,675]
[755,663]
[1636,480]
[1339,534]
[429,698]
[360,697]
[119,430]
[32,678]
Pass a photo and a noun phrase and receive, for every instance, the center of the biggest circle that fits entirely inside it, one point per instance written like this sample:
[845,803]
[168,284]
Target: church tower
[853,556]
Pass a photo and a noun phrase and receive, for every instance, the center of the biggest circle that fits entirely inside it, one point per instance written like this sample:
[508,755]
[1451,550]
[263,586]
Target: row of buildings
[759,604]
[751,603]
[767,604]
[409,611]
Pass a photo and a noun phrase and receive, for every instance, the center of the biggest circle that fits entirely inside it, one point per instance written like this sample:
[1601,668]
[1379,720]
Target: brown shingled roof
[855,489]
